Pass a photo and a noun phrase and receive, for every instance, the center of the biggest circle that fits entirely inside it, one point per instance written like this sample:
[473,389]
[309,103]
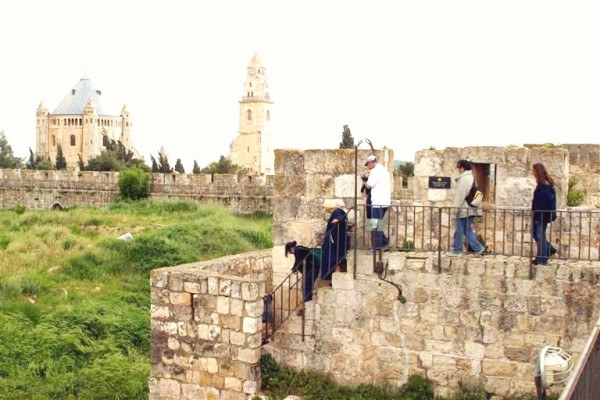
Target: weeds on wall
[279,381]
[575,197]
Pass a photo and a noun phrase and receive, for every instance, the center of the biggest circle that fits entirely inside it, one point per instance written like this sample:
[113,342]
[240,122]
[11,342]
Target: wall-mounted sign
[439,182]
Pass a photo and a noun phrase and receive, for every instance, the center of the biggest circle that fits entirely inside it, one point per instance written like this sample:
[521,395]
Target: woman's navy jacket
[544,203]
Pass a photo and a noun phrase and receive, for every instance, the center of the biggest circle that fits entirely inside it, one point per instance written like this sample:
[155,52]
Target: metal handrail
[503,231]
[293,284]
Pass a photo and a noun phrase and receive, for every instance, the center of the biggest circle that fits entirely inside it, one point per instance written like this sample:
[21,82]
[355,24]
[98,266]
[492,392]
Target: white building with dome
[81,125]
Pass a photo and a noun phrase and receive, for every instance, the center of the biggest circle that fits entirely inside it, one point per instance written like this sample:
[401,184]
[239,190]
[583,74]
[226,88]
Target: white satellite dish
[554,366]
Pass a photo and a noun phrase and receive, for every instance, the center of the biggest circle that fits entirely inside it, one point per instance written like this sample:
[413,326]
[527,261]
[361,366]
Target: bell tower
[253,148]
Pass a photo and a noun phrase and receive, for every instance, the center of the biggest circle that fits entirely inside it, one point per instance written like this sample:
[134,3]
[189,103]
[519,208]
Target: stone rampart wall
[206,328]
[512,184]
[309,184]
[39,190]
[480,320]
[585,169]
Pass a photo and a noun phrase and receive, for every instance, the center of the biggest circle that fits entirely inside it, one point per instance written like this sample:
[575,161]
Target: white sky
[408,75]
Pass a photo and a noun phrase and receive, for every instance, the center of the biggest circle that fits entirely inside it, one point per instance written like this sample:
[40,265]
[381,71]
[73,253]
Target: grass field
[74,300]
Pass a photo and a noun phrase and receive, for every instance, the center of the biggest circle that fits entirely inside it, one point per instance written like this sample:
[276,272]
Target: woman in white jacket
[464,212]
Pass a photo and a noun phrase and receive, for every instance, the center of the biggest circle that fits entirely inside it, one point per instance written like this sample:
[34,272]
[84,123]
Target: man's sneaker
[453,254]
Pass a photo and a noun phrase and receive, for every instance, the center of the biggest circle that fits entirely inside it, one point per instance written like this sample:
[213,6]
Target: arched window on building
[249,115]
[72,140]
[268,115]
[53,140]
[105,141]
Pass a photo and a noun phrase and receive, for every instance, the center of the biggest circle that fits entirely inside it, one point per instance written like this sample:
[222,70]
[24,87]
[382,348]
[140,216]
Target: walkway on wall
[425,233]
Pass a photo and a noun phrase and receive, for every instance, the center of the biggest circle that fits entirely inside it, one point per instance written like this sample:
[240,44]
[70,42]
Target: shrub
[19,209]
[134,184]
[575,197]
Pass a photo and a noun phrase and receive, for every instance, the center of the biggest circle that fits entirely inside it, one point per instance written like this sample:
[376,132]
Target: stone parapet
[206,328]
[480,319]
[38,190]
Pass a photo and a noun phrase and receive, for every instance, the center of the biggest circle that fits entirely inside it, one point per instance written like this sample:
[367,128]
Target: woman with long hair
[543,209]
[307,261]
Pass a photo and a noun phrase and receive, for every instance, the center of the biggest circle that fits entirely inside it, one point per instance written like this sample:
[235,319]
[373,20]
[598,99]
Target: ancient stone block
[498,368]
[223,305]
[232,322]
[183,299]
[169,387]
[175,283]
[250,325]
[522,354]
[213,285]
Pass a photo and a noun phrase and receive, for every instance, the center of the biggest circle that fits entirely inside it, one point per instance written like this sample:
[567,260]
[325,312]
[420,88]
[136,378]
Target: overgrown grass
[279,381]
[74,300]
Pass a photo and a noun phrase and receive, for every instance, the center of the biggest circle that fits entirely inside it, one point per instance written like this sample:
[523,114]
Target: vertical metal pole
[439,248]
[355,210]
[531,248]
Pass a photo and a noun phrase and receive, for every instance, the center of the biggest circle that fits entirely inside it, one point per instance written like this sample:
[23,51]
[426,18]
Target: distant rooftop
[75,101]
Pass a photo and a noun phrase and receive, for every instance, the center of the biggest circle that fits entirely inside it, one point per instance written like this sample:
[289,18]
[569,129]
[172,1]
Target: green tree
[32,162]
[196,168]
[179,166]
[405,169]
[115,157]
[80,163]
[7,158]
[347,139]
[163,164]
[134,184]
[223,166]
[61,161]
[37,162]
[154,163]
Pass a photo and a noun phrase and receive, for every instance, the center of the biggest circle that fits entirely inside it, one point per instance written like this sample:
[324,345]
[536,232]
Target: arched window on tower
[249,115]
[72,140]
[268,115]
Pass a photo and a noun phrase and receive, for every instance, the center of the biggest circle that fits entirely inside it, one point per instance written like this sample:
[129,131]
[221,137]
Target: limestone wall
[309,184]
[206,321]
[513,182]
[481,319]
[39,190]
[585,168]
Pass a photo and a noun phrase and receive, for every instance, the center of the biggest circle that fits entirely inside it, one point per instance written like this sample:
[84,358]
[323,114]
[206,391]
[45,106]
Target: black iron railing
[573,235]
[287,299]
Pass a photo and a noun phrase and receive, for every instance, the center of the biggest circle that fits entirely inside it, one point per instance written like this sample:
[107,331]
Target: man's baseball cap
[370,159]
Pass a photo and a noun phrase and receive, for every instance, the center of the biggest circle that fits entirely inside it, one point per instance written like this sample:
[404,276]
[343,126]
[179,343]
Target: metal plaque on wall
[439,182]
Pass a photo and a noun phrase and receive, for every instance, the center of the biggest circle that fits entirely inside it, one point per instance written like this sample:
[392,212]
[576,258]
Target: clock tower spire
[253,148]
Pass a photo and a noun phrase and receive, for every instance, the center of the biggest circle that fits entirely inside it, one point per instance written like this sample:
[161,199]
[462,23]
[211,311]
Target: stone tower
[81,125]
[253,148]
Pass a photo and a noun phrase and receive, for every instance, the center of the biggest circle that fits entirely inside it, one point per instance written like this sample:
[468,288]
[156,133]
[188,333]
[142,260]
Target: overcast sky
[408,75]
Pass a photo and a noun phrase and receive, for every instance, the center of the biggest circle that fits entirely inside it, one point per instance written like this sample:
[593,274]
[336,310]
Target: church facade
[253,148]
[81,125]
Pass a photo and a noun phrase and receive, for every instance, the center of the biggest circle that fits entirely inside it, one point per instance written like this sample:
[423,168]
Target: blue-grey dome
[76,100]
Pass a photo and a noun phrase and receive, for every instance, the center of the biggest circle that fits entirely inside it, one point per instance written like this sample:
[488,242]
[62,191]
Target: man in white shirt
[381,198]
